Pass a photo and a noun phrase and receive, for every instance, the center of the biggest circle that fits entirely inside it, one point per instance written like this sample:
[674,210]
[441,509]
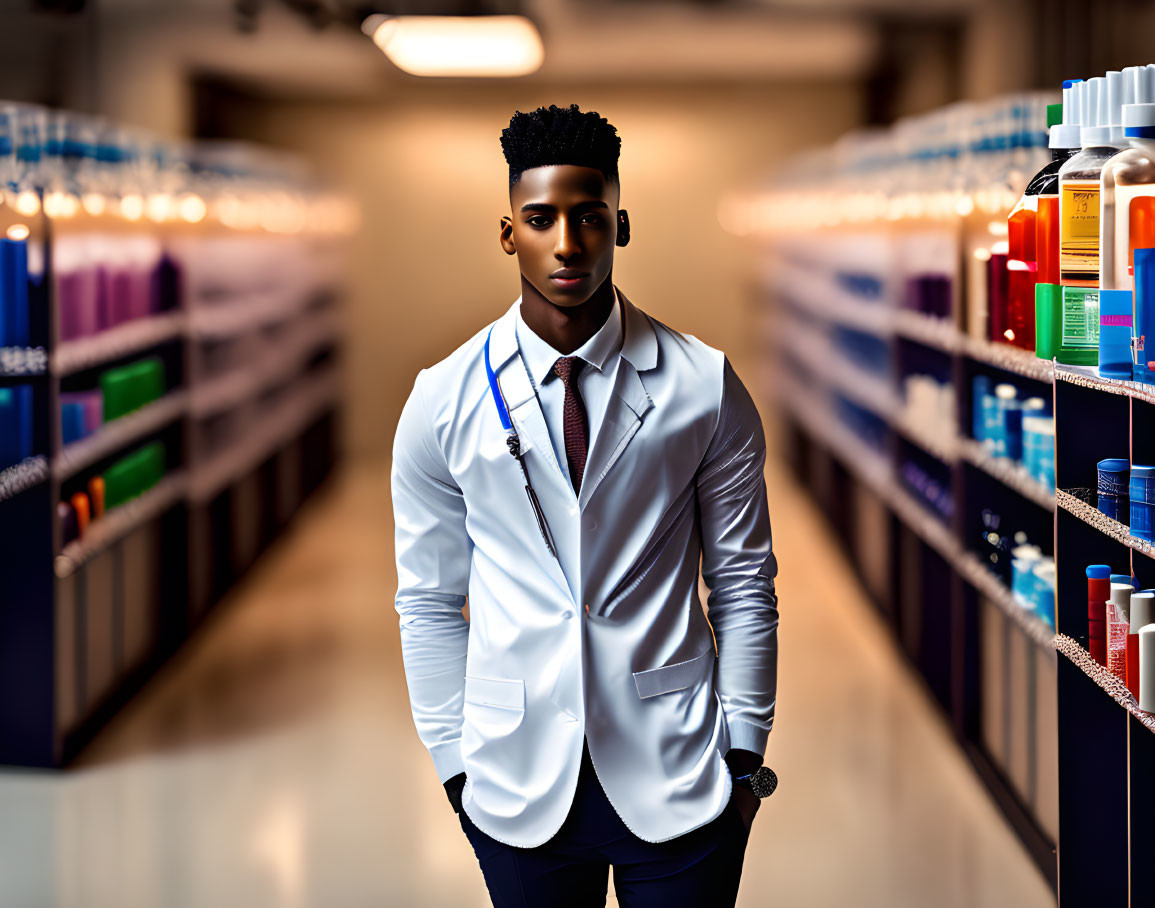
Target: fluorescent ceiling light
[458,45]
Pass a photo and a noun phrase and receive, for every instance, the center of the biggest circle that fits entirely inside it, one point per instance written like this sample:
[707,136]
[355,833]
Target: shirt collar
[597,351]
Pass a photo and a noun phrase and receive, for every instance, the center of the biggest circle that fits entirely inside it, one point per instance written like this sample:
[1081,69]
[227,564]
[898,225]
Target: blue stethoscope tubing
[514,443]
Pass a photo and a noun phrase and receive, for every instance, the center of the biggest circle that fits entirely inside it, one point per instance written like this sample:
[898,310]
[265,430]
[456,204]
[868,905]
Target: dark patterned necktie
[567,368]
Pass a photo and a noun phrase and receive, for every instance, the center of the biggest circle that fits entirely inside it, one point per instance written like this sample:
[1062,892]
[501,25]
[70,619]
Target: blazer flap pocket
[676,676]
[504,692]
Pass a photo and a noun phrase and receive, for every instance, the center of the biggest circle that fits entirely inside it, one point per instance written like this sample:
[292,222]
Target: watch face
[763,782]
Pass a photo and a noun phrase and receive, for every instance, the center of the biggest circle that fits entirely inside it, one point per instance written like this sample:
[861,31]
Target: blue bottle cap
[1098,571]
[1115,465]
[1142,472]
[1123,578]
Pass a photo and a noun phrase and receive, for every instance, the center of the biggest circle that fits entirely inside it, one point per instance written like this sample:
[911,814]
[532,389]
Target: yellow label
[1080,208]
[1079,232]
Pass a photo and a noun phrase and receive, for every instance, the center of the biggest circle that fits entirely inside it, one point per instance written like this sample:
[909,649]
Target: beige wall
[426,270]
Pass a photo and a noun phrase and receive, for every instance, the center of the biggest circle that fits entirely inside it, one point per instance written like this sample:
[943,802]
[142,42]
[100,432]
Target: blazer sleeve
[738,566]
[433,553]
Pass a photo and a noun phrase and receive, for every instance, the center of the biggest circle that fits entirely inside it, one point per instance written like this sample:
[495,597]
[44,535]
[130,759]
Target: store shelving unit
[988,661]
[84,624]
[1107,831]
[1060,742]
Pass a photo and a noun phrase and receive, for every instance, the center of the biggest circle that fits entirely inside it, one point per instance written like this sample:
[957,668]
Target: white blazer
[675,474]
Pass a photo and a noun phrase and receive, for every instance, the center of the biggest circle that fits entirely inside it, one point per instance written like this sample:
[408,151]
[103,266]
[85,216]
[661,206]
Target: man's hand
[742,762]
[747,803]
[453,789]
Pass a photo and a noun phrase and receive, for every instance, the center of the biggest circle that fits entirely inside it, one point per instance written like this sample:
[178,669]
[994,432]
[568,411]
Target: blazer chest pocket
[676,676]
[494,706]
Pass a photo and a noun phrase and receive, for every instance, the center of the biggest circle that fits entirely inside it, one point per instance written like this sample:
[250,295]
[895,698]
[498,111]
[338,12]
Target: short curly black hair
[560,135]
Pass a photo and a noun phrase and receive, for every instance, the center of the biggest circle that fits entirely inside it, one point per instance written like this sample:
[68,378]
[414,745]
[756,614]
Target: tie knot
[568,367]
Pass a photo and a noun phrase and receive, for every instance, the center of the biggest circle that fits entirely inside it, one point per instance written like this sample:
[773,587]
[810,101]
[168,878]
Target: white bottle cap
[1121,596]
[1120,91]
[1073,103]
[1138,115]
[1142,610]
[1066,134]
[1147,668]
[1140,84]
[1096,114]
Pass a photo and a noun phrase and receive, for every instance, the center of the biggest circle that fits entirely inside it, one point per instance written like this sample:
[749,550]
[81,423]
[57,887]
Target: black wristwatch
[761,781]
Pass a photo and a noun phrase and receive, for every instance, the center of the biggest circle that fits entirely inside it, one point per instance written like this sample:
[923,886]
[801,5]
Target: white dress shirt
[607,643]
[601,352]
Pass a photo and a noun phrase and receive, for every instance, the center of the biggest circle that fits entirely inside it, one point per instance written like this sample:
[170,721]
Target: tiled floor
[274,762]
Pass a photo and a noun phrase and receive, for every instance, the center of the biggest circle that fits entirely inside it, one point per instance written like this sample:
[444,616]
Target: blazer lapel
[524,407]
[629,402]
[557,496]
[625,410]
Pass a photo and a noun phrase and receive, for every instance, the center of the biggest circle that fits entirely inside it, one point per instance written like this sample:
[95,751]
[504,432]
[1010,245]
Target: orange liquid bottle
[1033,239]
[1019,319]
[1047,237]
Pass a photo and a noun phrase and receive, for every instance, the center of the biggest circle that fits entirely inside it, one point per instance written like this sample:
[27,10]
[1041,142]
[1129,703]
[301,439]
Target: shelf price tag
[23,360]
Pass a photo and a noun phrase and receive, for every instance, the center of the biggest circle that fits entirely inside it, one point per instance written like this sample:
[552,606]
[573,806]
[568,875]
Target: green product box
[128,388]
[147,379]
[1067,324]
[152,465]
[118,483]
[116,391]
[133,474]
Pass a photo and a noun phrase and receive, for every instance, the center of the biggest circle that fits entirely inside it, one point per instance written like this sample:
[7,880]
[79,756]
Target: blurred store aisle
[275,763]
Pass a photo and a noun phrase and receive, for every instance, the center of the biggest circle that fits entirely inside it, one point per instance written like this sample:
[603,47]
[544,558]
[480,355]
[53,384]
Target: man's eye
[592,219]
[538,221]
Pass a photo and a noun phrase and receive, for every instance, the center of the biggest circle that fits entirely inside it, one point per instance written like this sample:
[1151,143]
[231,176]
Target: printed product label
[1080,311]
[1079,229]
[1080,206]
[1117,648]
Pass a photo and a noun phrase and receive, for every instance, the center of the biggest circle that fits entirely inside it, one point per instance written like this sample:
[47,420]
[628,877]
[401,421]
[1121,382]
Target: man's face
[563,228]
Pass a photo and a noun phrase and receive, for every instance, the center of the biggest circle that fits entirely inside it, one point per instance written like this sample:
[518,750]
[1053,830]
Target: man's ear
[507,242]
[623,227]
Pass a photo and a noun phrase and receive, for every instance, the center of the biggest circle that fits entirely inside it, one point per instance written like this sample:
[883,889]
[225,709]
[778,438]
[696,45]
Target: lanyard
[514,443]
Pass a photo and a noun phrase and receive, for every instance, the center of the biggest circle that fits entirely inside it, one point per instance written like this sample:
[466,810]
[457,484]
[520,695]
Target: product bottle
[1143,302]
[1147,668]
[1070,334]
[1029,228]
[1142,614]
[1065,142]
[1118,626]
[1127,187]
[1098,592]
[1079,185]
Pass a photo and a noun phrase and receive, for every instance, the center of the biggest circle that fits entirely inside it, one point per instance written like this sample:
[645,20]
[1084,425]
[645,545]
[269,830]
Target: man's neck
[566,329]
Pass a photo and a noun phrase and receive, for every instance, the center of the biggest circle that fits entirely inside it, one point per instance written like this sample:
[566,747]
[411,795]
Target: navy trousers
[700,869]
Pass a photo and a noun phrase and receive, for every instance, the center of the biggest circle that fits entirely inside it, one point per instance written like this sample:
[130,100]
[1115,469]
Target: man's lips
[568,278]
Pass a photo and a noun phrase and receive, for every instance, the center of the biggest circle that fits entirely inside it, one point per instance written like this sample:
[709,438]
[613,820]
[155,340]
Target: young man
[582,717]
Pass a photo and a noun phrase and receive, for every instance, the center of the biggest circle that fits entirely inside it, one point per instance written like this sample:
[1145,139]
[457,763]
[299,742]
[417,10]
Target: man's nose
[567,240]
